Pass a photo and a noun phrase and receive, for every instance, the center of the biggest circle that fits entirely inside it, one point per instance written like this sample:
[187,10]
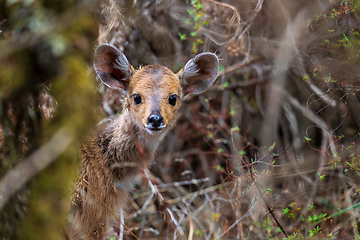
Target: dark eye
[172,100]
[137,99]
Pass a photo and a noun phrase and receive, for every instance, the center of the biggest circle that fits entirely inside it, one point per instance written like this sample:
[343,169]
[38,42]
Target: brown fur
[112,156]
[109,166]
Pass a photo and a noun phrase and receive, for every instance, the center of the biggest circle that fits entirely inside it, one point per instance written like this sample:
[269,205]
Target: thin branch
[238,220]
[314,118]
[155,191]
[36,162]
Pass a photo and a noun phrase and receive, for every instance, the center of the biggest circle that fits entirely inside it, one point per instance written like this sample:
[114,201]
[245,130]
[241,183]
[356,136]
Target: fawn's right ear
[112,67]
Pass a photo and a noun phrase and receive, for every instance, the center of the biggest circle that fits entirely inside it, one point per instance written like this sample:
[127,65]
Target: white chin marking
[153,132]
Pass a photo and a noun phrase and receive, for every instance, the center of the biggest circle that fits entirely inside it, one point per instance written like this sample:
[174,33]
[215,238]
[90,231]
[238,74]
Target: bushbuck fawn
[111,158]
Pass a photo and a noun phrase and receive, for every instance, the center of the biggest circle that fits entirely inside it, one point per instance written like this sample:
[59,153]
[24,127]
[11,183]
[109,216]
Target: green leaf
[242,153]
[192,12]
[205,23]
[322,177]
[219,168]
[199,41]
[225,85]
[311,207]
[187,21]
[286,210]
[235,128]
[199,6]
[182,37]
[272,146]
[198,233]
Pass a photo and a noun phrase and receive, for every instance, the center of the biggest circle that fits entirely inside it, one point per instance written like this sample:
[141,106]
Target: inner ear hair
[112,67]
[199,73]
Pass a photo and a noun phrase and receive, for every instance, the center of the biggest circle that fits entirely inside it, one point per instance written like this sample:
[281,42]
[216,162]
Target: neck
[124,146]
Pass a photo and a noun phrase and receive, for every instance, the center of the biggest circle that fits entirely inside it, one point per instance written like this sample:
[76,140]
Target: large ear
[112,67]
[199,73]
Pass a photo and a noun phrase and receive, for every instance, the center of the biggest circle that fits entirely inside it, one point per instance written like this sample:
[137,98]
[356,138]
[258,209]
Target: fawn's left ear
[112,67]
[199,73]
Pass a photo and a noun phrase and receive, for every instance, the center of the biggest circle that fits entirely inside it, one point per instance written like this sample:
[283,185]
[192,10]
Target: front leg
[91,214]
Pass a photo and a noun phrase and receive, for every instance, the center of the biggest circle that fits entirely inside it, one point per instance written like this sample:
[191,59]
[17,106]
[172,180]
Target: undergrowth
[272,151]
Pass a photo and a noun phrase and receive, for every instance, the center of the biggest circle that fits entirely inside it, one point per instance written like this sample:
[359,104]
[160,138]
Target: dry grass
[272,140]
[274,145]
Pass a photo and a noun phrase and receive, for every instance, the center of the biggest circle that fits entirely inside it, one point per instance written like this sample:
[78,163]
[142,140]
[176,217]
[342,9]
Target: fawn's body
[112,157]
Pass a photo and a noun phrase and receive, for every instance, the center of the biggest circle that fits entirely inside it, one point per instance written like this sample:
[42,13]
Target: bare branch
[39,160]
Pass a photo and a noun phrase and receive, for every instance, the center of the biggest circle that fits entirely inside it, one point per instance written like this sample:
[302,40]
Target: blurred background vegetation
[47,96]
[271,151]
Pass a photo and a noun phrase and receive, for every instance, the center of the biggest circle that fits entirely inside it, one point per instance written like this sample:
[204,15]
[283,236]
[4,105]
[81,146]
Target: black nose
[155,120]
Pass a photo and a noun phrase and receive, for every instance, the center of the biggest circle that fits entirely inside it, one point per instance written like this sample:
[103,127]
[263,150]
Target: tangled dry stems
[258,142]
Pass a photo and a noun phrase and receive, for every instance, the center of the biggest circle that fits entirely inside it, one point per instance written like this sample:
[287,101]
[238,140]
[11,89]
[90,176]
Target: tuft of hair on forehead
[158,71]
